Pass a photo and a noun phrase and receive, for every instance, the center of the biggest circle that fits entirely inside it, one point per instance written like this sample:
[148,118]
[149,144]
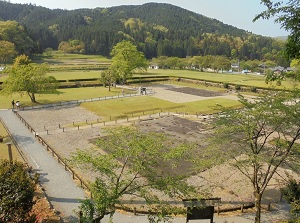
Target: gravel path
[60,188]
[67,142]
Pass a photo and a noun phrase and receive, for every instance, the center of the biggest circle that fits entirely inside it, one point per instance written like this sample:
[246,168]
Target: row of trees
[216,63]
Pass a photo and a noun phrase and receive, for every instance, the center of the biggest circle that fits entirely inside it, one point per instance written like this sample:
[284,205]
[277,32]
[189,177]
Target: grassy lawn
[240,79]
[68,94]
[3,146]
[123,108]
[69,75]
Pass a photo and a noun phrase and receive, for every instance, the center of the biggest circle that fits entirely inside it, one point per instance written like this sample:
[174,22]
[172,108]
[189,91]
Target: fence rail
[74,102]
[15,144]
[54,154]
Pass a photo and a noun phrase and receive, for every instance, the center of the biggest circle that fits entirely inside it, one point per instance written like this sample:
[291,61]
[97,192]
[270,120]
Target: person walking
[18,104]
[13,104]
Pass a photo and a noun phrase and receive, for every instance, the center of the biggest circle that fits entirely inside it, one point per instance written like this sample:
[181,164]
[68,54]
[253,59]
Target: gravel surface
[222,181]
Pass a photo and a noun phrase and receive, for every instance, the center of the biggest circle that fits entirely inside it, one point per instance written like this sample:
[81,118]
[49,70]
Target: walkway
[62,191]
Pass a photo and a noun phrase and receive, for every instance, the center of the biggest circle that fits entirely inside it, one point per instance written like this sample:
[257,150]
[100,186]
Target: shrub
[253,89]
[225,85]
[292,195]
[237,87]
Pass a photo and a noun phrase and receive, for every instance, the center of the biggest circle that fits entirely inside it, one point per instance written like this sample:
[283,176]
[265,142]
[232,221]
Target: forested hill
[157,29]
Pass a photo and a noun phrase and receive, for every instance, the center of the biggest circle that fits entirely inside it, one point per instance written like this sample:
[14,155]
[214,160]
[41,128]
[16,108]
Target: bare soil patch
[219,181]
[197,92]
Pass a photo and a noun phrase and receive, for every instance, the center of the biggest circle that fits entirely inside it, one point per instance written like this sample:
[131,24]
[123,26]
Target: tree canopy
[7,51]
[287,14]
[29,79]
[264,134]
[131,163]
[14,32]
[16,192]
[167,31]
[126,59]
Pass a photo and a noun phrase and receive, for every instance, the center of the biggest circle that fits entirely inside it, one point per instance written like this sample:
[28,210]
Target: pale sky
[238,13]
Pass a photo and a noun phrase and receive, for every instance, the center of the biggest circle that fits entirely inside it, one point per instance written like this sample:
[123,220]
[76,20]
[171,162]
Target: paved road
[62,191]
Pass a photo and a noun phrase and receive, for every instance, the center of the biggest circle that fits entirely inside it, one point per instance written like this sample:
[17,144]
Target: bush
[253,89]
[225,85]
[237,87]
[16,193]
[292,195]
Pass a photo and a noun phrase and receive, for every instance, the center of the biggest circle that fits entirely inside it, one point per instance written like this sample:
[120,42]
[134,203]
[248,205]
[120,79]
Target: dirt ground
[219,181]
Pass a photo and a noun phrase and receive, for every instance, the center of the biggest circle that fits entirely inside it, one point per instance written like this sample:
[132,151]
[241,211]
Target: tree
[15,33]
[263,133]
[22,60]
[132,163]
[30,79]
[287,13]
[73,46]
[108,77]
[292,194]
[16,192]
[125,59]
[7,51]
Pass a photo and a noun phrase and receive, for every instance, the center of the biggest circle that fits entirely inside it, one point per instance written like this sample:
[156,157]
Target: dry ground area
[220,181]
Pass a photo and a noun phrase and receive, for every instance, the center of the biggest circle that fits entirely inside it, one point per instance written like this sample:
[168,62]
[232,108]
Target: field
[219,181]
[190,106]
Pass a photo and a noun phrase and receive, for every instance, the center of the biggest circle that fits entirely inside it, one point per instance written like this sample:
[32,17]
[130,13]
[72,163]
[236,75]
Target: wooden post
[58,125]
[242,208]
[9,153]
[80,217]
[78,127]
[134,210]
[47,132]
[269,206]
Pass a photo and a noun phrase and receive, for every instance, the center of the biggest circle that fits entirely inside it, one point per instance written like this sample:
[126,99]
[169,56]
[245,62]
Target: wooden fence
[54,154]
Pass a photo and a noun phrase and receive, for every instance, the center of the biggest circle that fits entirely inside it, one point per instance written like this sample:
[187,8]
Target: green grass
[3,146]
[123,108]
[69,75]
[62,95]
[240,79]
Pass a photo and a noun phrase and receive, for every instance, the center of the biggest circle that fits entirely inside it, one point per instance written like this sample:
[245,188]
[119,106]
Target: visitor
[13,104]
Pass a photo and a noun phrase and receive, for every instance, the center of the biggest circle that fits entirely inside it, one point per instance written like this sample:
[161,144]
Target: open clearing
[219,181]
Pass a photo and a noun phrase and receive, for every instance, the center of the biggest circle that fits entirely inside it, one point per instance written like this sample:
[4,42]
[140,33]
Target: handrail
[15,143]
[54,154]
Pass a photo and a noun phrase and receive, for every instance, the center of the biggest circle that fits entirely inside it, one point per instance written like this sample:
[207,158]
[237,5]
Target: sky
[238,13]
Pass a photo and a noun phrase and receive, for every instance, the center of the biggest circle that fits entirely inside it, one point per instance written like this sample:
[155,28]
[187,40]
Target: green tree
[287,14]
[126,59]
[263,133]
[22,60]
[16,192]
[292,194]
[73,46]
[108,77]
[15,33]
[133,163]
[30,79]
[7,51]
